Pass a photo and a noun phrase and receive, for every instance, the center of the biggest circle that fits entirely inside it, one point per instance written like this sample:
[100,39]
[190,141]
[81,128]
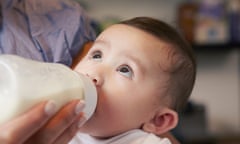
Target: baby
[144,72]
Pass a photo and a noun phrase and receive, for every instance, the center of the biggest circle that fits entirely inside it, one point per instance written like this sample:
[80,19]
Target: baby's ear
[164,120]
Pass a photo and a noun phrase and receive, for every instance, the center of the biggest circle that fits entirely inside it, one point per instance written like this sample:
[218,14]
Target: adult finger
[70,132]
[58,124]
[21,128]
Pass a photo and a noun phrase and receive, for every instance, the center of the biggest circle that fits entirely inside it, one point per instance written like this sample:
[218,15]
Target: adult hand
[44,125]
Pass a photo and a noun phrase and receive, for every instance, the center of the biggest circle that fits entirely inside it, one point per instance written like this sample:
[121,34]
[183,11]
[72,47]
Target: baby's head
[144,72]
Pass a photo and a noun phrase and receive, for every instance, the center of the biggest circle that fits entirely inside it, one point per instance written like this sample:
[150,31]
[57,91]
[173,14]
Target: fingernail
[79,107]
[50,108]
[81,121]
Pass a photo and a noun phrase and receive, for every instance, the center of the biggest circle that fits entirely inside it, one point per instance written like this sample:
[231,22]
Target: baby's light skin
[126,65]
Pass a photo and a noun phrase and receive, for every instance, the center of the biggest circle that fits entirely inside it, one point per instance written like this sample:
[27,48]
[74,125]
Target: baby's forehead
[132,40]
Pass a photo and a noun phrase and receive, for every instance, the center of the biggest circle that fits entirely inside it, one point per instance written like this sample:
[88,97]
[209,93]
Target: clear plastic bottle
[24,83]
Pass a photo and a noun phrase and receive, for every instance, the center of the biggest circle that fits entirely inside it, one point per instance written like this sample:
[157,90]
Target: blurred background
[213,29]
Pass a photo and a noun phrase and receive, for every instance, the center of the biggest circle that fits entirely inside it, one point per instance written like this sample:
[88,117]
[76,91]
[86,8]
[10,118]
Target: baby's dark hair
[182,63]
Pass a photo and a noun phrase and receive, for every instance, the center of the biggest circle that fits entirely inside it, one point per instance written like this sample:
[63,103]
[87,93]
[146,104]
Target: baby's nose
[95,79]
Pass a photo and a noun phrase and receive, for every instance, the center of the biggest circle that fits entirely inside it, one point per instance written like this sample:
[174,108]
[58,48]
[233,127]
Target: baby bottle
[25,82]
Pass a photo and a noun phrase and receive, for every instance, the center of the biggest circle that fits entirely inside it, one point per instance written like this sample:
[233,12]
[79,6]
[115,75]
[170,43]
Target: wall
[217,85]
[124,9]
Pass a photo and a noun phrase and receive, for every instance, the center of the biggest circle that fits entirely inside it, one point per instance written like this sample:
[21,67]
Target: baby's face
[125,64]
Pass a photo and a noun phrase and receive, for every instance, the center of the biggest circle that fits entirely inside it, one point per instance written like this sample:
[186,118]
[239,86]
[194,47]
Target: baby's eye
[125,70]
[97,55]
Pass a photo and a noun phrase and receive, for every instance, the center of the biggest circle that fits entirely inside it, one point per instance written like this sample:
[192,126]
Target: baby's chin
[98,133]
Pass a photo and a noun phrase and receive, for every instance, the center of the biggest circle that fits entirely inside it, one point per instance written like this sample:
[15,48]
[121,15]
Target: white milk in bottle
[24,83]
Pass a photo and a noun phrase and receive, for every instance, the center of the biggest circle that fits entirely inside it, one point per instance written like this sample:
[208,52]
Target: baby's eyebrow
[136,61]
[102,42]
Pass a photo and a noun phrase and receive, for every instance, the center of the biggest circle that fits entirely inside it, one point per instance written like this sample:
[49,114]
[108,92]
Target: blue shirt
[44,30]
